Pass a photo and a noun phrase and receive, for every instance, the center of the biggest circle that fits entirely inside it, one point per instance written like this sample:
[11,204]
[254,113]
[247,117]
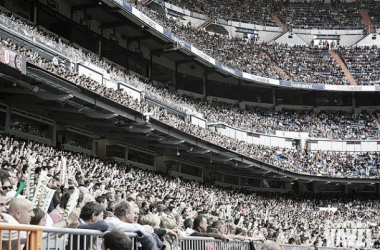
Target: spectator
[20,212]
[91,219]
[200,229]
[126,216]
[58,212]
[116,240]
[270,245]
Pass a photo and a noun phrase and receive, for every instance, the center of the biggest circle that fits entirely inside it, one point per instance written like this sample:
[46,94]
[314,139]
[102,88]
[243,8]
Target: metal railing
[76,239]
[20,237]
[206,243]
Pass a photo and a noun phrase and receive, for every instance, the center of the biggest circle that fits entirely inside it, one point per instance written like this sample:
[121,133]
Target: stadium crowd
[318,15]
[353,165]
[307,64]
[234,52]
[257,12]
[263,60]
[300,15]
[363,63]
[324,124]
[304,64]
[108,196]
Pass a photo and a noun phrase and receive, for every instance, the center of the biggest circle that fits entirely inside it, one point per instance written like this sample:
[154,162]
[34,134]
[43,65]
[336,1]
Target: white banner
[42,183]
[31,173]
[71,204]
[241,220]
[46,199]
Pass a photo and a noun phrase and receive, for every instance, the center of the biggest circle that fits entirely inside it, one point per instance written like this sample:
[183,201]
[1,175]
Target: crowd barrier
[26,237]
[258,246]
[20,237]
[205,243]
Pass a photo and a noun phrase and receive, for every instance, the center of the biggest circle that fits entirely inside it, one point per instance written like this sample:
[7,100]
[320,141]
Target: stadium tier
[334,124]
[102,138]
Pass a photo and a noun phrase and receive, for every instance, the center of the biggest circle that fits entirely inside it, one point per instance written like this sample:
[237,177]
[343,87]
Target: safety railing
[207,243]
[76,239]
[20,237]
[258,246]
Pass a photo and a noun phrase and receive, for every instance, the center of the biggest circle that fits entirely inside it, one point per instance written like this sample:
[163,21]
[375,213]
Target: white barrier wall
[131,91]
[198,121]
[357,146]
[285,139]
[254,138]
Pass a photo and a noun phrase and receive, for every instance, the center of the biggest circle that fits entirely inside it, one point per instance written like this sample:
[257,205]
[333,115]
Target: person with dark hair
[292,241]
[39,217]
[188,223]
[200,229]
[116,240]
[91,217]
[91,212]
[144,208]
[57,214]
[6,185]
[376,244]
[102,200]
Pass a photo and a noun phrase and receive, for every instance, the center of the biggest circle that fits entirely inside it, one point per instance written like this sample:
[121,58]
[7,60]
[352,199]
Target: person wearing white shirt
[125,219]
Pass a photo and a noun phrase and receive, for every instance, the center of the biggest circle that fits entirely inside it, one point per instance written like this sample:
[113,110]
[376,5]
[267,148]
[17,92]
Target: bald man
[20,212]
[270,245]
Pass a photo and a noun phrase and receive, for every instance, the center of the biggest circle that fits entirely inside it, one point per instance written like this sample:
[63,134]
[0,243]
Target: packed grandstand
[172,207]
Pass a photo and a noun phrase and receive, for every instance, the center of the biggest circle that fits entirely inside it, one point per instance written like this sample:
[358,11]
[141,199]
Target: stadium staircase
[278,68]
[279,23]
[377,123]
[205,24]
[367,21]
[343,66]
[146,2]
